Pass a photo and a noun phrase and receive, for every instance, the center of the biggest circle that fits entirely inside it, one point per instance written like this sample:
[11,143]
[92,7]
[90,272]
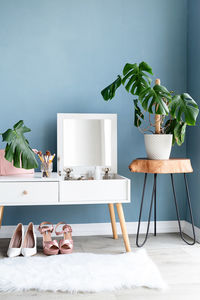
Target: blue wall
[56,56]
[193,134]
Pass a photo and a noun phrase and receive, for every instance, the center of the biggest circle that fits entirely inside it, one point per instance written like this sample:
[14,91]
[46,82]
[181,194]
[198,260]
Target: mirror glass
[87,142]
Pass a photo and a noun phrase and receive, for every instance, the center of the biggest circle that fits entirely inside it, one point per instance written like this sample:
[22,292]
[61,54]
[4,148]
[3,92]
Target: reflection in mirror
[87,142]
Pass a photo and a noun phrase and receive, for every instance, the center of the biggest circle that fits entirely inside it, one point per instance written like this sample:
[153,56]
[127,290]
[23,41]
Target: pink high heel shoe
[66,245]
[49,247]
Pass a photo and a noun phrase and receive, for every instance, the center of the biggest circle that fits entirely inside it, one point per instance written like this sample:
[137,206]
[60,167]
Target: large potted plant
[18,150]
[171,112]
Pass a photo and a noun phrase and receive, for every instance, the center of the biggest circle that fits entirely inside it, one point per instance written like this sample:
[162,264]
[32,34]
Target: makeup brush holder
[46,169]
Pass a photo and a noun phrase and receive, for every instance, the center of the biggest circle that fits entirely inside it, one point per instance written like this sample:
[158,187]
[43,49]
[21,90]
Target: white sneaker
[16,241]
[29,246]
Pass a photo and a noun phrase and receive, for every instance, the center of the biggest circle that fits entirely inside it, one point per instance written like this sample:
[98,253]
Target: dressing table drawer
[28,193]
[94,191]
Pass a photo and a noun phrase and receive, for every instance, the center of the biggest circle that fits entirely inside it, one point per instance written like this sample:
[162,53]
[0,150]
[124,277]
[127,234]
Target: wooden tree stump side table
[170,166]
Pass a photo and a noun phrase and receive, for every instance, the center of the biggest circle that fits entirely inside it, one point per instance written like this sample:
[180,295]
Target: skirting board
[105,229]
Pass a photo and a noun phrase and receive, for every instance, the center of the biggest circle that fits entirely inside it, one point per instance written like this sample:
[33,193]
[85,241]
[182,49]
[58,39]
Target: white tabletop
[37,176]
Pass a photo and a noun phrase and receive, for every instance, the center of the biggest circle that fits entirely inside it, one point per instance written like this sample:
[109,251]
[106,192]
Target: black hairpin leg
[155,177]
[153,199]
[190,210]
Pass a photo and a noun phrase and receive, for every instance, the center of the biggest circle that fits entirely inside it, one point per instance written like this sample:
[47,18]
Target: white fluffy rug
[79,272]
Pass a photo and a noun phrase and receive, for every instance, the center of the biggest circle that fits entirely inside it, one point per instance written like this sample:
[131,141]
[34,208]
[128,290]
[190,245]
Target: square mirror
[87,140]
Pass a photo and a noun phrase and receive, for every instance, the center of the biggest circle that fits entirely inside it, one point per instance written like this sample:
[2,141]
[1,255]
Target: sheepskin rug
[79,272]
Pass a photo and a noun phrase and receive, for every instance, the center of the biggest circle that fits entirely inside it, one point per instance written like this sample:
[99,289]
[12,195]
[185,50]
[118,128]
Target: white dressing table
[34,190]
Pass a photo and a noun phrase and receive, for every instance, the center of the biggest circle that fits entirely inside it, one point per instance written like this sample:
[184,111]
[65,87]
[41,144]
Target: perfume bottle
[68,174]
[97,174]
[106,175]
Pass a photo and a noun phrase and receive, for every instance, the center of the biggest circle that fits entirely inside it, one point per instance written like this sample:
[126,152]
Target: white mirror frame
[60,121]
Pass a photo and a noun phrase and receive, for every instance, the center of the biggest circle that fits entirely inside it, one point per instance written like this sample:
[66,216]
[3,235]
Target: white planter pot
[158,146]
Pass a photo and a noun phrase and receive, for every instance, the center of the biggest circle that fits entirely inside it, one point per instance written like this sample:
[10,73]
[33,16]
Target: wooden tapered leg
[113,220]
[123,227]
[1,214]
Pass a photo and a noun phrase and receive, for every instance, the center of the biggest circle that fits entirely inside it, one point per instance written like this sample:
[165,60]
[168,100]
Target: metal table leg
[177,210]
[153,199]
[155,177]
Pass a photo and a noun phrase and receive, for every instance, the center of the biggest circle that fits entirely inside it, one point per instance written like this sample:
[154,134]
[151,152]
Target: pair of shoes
[20,244]
[52,247]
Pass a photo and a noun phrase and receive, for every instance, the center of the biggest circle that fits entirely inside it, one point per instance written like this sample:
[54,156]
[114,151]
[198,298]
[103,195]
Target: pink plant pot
[7,168]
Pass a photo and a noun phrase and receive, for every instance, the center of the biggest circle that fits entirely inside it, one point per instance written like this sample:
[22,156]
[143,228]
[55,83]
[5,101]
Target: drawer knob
[25,192]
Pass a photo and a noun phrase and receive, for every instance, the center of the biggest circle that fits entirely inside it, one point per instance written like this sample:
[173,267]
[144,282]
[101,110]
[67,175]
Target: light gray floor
[179,265]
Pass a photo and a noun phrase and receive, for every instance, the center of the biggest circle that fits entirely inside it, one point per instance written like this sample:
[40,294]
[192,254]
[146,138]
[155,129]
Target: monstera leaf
[17,148]
[178,129]
[154,99]
[183,106]
[109,92]
[135,77]
[135,80]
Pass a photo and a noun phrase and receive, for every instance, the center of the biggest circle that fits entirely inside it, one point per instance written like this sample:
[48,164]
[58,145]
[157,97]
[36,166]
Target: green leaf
[163,91]
[8,135]
[143,66]
[127,76]
[169,128]
[184,107]
[138,115]
[178,130]
[109,92]
[131,81]
[135,77]
[152,100]
[17,148]
[147,77]
[129,67]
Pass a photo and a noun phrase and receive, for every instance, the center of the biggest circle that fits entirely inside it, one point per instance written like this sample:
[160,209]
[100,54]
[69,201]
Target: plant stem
[157,117]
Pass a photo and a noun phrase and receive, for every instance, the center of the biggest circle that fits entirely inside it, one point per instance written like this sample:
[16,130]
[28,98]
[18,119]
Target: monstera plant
[171,112]
[17,148]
